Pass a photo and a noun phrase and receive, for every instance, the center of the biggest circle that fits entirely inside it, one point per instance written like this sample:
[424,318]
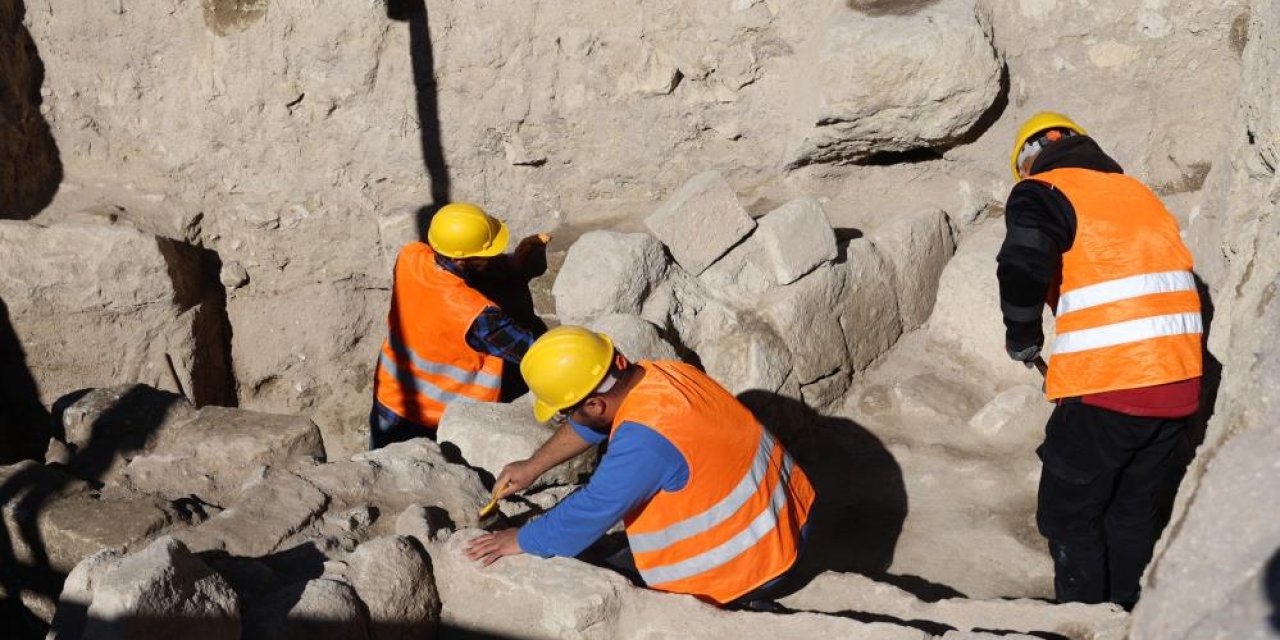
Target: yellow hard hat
[1035,124]
[563,366]
[461,230]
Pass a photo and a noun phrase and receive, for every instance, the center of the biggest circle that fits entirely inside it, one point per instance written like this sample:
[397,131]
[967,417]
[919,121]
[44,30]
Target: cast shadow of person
[861,498]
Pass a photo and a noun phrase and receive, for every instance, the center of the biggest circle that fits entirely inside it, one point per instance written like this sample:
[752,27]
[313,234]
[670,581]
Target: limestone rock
[213,454]
[917,247]
[1020,409]
[635,337]
[607,272]
[799,314]
[797,238]
[868,309]
[837,592]
[77,594]
[117,290]
[752,357]
[233,275]
[700,221]
[107,427]
[966,318]
[743,274]
[890,84]
[491,434]
[392,576]
[402,474]
[264,515]
[420,523]
[162,592]
[320,608]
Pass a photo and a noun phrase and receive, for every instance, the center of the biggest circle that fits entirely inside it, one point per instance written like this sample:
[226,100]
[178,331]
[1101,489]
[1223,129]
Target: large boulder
[320,608]
[635,337]
[163,591]
[490,434]
[797,238]
[700,221]
[76,291]
[392,576]
[890,84]
[608,272]
[266,514]
[868,309]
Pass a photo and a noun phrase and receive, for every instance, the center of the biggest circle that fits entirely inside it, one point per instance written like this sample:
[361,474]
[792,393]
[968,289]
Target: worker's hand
[1026,355]
[491,546]
[527,247]
[516,476]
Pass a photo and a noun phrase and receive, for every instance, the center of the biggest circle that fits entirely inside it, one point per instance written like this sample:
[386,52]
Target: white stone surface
[607,272]
[392,576]
[634,336]
[797,238]
[700,221]
[491,435]
[917,248]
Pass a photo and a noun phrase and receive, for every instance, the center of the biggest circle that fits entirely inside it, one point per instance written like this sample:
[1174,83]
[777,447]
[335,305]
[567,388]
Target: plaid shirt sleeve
[497,334]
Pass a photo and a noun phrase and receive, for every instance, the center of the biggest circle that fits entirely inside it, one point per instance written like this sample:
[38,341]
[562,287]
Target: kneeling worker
[713,505]
[446,341]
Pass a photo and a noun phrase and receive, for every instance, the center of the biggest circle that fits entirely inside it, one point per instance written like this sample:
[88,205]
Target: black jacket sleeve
[1040,226]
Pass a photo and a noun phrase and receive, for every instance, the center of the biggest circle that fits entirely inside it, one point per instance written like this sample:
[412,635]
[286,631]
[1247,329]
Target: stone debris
[491,435]
[700,222]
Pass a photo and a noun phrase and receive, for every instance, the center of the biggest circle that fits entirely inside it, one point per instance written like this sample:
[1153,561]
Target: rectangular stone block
[797,238]
[700,221]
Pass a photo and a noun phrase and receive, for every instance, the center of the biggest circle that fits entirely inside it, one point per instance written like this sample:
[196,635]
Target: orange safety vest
[1128,314]
[736,524]
[425,361]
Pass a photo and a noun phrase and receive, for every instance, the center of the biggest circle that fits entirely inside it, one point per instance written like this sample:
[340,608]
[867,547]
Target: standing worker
[713,505]
[1105,254]
[446,341]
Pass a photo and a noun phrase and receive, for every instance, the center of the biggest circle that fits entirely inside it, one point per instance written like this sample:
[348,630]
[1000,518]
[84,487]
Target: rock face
[490,434]
[118,291]
[163,591]
[29,166]
[891,84]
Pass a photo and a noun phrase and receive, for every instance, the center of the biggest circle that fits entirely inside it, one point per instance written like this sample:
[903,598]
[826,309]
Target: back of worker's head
[464,232]
[572,368]
[1037,133]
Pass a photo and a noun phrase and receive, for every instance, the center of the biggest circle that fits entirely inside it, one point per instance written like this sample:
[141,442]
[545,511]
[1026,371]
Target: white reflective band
[1125,332]
[721,511]
[764,523]
[1125,288]
[462,376]
[421,386]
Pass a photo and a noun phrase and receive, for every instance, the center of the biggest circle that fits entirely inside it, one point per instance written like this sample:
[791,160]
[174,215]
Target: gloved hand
[1025,355]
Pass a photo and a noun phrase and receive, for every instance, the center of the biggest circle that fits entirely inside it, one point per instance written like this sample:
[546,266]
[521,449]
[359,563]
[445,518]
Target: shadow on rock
[861,499]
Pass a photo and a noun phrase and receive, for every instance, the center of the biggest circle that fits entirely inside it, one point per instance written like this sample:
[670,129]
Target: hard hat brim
[542,411]
[499,244]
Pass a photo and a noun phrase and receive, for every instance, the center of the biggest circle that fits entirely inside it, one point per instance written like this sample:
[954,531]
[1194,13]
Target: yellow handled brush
[493,502]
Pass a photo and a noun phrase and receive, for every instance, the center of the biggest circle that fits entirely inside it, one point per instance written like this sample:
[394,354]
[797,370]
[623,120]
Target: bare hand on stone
[487,548]
[516,476]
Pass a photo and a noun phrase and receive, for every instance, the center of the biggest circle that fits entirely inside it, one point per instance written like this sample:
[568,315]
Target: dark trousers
[1101,498]
[385,427]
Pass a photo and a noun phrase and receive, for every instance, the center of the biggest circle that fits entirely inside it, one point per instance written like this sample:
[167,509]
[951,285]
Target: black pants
[1100,498]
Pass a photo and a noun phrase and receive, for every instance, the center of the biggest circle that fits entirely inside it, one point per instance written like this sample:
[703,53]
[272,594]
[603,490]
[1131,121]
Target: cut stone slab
[917,248]
[164,591]
[107,427]
[800,315]
[752,357]
[76,291]
[868,308]
[268,511]
[399,475]
[607,272]
[491,434]
[213,454]
[889,84]
[797,238]
[392,576]
[635,337]
[840,592]
[700,221]
[320,608]
[528,597]
[741,276]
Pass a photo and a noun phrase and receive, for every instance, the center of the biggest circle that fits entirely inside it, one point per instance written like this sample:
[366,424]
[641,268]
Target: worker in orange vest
[1125,369]
[713,505]
[446,340]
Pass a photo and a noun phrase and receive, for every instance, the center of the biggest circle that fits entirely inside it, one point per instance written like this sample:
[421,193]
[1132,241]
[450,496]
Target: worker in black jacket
[1105,254]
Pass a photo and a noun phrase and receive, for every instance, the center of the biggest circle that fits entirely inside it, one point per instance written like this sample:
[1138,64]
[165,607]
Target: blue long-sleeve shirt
[638,464]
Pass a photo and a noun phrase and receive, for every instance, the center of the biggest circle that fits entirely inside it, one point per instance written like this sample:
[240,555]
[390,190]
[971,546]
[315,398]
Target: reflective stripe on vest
[1128,331]
[1124,288]
[721,511]
[461,376]
[763,524]
[424,387]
